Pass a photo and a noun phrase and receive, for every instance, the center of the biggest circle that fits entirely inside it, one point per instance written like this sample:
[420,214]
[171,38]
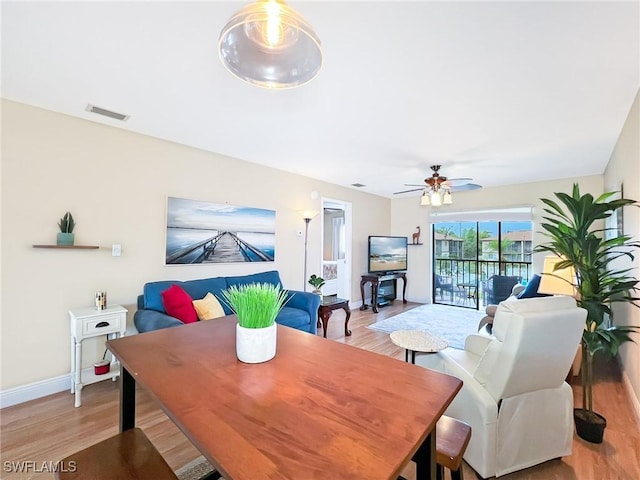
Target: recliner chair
[514,395]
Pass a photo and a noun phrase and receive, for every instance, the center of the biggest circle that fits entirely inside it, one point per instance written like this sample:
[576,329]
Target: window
[466,254]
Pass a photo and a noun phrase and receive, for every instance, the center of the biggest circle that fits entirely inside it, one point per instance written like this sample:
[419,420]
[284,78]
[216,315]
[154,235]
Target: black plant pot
[589,425]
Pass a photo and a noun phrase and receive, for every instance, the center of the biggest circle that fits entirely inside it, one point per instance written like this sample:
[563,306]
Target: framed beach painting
[200,232]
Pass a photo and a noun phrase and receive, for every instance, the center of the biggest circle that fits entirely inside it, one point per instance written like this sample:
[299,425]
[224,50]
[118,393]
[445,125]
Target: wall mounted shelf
[73,247]
[414,244]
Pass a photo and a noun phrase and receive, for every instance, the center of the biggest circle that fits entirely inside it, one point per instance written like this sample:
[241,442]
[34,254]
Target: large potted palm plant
[572,226]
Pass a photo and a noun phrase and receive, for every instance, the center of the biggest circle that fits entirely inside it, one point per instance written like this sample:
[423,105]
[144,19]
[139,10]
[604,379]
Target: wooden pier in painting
[222,248]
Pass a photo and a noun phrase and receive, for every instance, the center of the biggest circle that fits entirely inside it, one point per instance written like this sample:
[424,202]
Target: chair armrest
[148,320]
[517,289]
[306,301]
[491,310]
[477,344]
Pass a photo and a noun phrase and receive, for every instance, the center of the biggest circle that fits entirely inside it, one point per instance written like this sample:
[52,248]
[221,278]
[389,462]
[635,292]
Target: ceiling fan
[437,182]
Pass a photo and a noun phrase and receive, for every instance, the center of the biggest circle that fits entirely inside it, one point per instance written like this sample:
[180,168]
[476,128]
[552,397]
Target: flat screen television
[387,254]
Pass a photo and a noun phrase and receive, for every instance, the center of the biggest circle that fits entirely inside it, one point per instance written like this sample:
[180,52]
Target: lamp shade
[557,282]
[270,45]
[308,214]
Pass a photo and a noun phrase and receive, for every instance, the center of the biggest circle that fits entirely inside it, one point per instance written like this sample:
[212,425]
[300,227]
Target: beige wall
[406,214]
[624,169]
[116,184]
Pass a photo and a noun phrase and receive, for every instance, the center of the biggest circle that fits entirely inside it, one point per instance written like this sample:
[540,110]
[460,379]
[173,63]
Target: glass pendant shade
[270,45]
[436,198]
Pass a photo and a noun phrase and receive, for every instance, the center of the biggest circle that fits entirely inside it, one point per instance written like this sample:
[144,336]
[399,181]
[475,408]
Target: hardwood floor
[50,428]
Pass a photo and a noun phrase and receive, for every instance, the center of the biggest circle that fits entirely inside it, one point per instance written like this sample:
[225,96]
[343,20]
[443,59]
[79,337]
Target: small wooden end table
[417,341]
[327,306]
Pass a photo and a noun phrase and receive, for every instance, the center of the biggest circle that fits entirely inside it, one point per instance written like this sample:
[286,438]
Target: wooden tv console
[381,282]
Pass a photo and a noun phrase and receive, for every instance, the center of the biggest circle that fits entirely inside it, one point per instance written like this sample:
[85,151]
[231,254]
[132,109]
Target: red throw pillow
[179,304]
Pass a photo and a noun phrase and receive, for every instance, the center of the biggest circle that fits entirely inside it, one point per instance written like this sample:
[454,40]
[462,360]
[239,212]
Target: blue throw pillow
[531,291]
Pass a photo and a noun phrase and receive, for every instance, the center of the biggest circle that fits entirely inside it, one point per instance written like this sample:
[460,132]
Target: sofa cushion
[199,288]
[272,277]
[531,290]
[179,304]
[152,298]
[294,317]
[208,308]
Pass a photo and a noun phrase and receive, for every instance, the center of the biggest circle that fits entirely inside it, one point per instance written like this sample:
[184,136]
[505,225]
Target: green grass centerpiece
[256,305]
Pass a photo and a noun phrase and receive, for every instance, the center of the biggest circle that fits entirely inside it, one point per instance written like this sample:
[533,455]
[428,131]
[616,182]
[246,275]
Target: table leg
[425,458]
[374,296]
[364,305]
[404,288]
[73,364]
[347,310]
[127,400]
[325,314]
[78,374]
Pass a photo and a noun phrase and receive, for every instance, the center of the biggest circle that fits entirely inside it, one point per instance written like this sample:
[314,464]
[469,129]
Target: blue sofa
[300,311]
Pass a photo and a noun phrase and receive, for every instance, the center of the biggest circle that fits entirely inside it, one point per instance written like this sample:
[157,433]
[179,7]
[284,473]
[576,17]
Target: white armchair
[514,395]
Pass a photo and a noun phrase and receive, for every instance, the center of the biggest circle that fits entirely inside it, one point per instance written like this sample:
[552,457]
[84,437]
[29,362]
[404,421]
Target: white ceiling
[503,92]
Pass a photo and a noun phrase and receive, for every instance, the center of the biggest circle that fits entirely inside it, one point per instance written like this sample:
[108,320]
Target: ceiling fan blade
[414,185]
[465,186]
[462,179]
[407,191]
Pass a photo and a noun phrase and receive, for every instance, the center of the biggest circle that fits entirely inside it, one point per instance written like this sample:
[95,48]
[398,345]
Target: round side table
[417,341]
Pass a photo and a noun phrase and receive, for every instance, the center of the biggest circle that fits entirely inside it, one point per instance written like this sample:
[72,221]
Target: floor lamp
[308,215]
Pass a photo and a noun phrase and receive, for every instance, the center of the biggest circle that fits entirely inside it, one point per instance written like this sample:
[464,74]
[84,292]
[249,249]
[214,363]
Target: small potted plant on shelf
[66,224]
[317,283]
[256,305]
[573,235]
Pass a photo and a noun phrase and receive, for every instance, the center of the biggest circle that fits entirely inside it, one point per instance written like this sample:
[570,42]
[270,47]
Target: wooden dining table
[318,410]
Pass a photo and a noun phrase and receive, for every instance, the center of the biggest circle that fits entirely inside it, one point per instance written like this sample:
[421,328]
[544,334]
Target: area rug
[451,323]
[195,470]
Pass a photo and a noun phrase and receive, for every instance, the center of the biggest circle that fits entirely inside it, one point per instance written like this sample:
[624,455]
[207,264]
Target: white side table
[87,323]
[417,341]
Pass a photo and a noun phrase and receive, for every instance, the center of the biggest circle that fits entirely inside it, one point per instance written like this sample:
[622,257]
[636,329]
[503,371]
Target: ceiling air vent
[358,185]
[107,113]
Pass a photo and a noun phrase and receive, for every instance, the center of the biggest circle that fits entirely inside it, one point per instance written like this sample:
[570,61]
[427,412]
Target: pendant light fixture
[436,196]
[270,45]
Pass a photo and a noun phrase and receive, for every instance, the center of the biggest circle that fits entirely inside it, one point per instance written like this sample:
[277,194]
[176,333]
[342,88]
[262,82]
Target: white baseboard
[31,391]
[635,403]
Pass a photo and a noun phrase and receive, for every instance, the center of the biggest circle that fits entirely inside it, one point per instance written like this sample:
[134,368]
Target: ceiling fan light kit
[438,190]
[270,45]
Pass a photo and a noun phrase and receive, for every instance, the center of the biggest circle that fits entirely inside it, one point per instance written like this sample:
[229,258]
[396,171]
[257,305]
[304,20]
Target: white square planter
[256,345]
